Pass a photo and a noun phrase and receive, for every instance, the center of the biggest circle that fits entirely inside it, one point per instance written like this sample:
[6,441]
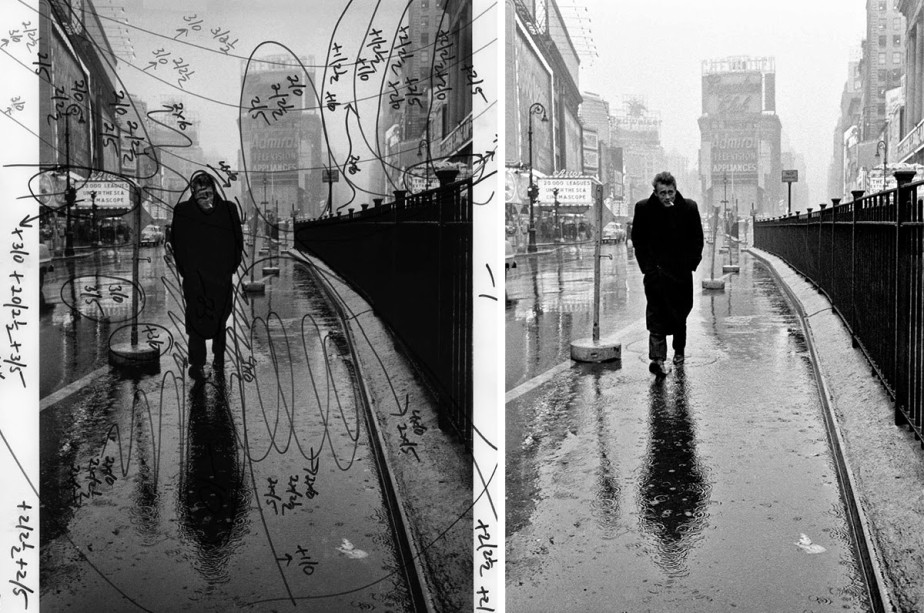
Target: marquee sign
[572,191]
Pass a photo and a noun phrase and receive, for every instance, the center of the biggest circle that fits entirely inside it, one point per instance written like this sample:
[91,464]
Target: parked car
[152,236]
[613,232]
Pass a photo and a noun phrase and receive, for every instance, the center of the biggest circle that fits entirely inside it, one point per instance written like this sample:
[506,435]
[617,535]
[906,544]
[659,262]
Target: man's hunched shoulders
[691,204]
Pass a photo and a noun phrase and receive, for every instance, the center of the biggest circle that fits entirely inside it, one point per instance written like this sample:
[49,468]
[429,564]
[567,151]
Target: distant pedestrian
[667,234]
[208,246]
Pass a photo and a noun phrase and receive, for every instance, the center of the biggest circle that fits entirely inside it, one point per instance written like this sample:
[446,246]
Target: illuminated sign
[107,192]
[571,191]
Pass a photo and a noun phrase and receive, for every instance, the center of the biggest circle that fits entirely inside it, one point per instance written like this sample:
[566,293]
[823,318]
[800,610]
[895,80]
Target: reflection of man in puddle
[212,498]
[208,246]
[667,234]
[673,490]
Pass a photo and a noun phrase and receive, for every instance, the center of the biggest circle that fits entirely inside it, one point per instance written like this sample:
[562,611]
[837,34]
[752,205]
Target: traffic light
[533,192]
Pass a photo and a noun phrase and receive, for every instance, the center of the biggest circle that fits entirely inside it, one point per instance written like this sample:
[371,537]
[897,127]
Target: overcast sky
[213,86]
[655,48]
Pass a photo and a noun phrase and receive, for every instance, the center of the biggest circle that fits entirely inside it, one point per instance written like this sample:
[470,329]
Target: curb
[403,531]
[869,555]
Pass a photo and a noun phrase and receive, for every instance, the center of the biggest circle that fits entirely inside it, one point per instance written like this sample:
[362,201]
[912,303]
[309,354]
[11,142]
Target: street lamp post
[559,234]
[535,108]
[884,145]
[95,229]
[70,193]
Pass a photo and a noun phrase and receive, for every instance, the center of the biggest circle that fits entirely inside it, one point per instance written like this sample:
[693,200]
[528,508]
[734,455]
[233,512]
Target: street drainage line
[868,555]
[407,544]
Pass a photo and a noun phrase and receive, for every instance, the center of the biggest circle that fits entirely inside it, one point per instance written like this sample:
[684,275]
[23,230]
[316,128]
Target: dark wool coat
[207,249]
[668,244]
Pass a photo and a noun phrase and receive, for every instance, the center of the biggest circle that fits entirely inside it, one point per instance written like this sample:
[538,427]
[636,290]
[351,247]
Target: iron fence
[411,259]
[866,257]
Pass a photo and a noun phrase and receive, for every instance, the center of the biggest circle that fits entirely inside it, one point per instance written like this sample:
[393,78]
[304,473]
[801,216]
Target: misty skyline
[655,50]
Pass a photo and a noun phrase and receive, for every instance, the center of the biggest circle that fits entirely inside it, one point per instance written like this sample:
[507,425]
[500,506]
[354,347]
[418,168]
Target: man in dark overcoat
[667,234]
[208,246]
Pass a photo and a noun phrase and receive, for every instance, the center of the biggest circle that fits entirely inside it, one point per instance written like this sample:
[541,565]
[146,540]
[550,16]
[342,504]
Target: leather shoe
[658,368]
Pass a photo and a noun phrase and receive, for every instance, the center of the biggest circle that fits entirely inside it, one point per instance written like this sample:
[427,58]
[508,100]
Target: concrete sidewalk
[432,470]
[886,461]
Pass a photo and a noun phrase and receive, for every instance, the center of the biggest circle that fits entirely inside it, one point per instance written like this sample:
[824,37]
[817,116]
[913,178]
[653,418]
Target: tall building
[428,111]
[78,101]
[843,174]
[881,65]
[542,97]
[595,114]
[637,129]
[740,132]
[450,118]
[910,146]
[283,145]
[596,118]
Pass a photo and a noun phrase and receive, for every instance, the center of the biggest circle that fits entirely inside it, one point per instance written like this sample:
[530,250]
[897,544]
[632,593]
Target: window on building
[883,40]
[424,38]
[897,40]
[882,5]
[424,4]
[897,23]
[881,109]
[896,75]
[883,75]
[882,57]
[883,23]
[896,57]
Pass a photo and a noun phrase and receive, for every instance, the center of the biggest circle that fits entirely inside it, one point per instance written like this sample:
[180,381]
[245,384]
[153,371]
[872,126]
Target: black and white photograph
[714,305]
[272,341]
[247,278]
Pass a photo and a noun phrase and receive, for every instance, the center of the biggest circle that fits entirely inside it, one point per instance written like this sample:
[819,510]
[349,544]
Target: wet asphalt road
[255,490]
[712,490]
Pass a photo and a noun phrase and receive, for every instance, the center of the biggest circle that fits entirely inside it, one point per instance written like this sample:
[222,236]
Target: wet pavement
[549,304]
[711,490]
[254,490]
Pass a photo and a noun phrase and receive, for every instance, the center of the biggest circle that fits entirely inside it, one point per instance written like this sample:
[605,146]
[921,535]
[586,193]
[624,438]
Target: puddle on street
[711,490]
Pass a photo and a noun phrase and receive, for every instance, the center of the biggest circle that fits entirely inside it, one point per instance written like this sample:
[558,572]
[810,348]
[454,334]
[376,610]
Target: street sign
[331,176]
[790,176]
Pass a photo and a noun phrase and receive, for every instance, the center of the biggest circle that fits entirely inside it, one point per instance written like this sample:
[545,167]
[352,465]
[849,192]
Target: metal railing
[866,257]
[411,259]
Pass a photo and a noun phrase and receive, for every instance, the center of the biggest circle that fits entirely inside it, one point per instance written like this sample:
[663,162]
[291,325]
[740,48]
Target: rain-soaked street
[712,490]
[254,490]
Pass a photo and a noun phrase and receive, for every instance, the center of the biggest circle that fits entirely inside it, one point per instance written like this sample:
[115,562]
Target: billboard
[591,148]
[637,129]
[271,139]
[273,150]
[735,154]
[733,93]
